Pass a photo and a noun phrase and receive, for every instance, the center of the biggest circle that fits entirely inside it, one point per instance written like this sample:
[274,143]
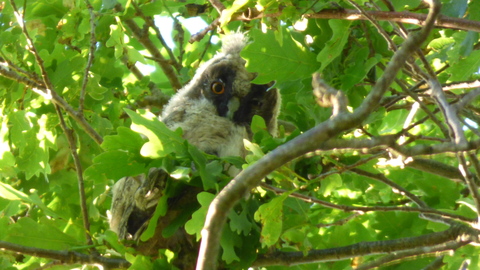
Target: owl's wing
[134,201]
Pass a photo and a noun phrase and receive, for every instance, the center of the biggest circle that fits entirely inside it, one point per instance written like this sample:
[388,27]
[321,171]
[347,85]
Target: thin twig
[91,56]
[450,114]
[365,209]
[472,186]
[421,150]
[68,132]
[339,222]
[199,36]
[415,252]
[150,23]
[391,45]
[152,49]
[430,114]
[9,64]
[382,178]
[217,5]
[79,170]
[402,31]
[466,99]
[460,85]
[48,94]
[472,128]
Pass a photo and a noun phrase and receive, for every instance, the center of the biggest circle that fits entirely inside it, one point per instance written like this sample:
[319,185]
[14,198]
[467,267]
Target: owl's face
[215,109]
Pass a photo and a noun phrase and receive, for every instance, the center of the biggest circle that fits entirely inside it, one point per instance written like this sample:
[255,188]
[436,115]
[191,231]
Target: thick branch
[250,177]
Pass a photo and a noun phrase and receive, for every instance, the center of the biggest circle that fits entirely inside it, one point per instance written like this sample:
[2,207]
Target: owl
[216,108]
[214,111]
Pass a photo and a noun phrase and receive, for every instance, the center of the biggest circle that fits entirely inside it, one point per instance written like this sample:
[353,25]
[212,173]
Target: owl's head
[226,84]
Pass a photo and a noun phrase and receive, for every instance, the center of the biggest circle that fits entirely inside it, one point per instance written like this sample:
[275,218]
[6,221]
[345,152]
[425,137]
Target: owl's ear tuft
[234,43]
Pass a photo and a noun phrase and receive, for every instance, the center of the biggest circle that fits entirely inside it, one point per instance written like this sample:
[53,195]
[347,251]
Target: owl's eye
[218,87]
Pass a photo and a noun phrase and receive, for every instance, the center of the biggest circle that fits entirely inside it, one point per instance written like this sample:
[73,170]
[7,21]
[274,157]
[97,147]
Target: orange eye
[218,88]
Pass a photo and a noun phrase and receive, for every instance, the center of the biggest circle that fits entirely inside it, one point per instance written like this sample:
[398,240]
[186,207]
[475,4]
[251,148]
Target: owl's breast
[208,131]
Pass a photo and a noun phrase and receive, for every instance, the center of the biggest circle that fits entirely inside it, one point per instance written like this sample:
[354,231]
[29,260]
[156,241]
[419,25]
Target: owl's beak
[233,105]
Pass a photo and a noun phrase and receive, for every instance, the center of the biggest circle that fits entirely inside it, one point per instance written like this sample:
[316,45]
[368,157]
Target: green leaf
[464,69]
[112,239]
[240,223]
[115,164]
[162,141]
[42,235]
[228,242]
[474,10]
[33,154]
[296,61]
[330,184]
[228,12]
[200,162]
[255,152]
[271,216]
[135,56]
[153,8]
[440,43]
[160,211]
[334,47]
[195,225]
[10,193]
[94,89]
[125,139]
[258,124]
[359,69]
[139,261]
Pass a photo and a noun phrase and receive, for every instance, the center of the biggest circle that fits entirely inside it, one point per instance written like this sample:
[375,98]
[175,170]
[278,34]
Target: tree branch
[69,257]
[365,209]
[91,56]
[401,17]
[217,5]
[415,252]
[150,23]
[308,141]
[328,96]
[461,235]
[68,132]
[150,46]
[55,98]
[373,144]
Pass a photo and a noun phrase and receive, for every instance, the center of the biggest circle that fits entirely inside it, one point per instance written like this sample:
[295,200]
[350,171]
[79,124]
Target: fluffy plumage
[218,123]
[214,110]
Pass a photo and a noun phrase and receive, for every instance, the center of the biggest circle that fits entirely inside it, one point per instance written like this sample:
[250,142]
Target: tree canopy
[375,165]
